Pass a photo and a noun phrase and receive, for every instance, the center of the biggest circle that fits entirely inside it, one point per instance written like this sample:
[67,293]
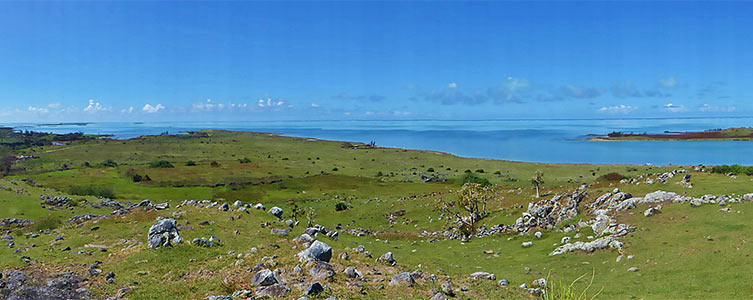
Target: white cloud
[127,110]
[668,82]
[674,107]
[621,109]
[314,105]
[452,85]
[148,108]
[270,103]
[54,105]
[401,113]
[38,109]
[711,108]
[347,113]
[514,84]
[95,107]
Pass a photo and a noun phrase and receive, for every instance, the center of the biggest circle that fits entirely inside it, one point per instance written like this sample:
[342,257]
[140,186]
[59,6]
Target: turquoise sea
[552,141]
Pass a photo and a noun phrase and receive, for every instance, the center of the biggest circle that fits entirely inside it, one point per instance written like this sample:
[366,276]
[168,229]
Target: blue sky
[171,61]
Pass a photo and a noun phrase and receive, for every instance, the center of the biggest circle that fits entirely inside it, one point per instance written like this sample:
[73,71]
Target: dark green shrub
[340,206]
[190,163]
[616,134]
[480,171]
[737,169]
[335,169]
[473,178]
[48,222]
[379,174]
[109,163]
[161,164]
[214,164]
[246,160]
[91,190]
[431,170]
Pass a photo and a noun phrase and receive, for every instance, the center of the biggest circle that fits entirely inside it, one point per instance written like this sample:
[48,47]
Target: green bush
[616,134]
[737,169]
[473,178]
[214,164]
[46,223]
[190,163]
[430,170]
[91,190]
[480,171]
[161,164]
[340,206]
[136,178]
[109,163]
[379,174]
[244,160]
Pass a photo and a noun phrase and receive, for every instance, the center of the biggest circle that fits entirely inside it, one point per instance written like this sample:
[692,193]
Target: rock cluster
[545,214]
[16,284]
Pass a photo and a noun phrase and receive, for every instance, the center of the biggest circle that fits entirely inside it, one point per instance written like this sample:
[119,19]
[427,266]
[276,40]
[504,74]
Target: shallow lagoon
[553,141]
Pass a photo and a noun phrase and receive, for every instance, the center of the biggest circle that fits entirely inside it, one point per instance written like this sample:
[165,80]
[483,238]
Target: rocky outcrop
[164,233]
[21,285]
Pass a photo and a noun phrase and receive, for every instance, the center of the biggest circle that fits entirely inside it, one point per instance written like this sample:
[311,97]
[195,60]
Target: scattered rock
[483,275]
[652,211]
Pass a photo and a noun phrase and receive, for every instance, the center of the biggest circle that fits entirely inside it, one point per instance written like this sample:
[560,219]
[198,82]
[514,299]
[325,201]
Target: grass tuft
[559,291]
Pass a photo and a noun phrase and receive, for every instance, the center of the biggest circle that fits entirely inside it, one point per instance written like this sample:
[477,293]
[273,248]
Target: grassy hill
[391,195]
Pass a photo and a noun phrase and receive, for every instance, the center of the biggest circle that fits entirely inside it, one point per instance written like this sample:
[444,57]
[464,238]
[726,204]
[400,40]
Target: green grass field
[675,260]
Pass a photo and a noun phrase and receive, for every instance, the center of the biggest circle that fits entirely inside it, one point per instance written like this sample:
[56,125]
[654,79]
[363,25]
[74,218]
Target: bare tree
[538,181]
[469,208]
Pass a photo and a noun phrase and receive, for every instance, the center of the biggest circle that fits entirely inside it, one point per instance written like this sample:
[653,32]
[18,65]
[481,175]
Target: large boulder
[402,279]
[388,258]
[317,251]
[352,272]
[265,278]
[276,211]
[315,288]
[164,233]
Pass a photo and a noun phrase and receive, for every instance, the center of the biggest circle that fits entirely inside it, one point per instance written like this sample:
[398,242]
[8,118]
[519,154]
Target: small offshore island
[732,134]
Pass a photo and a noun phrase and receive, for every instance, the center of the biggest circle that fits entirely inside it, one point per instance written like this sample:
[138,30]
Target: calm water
[555,141]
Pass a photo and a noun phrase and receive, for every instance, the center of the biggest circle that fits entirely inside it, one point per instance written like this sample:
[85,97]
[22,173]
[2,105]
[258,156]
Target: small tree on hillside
[5,165]
[538,181]
[469,208]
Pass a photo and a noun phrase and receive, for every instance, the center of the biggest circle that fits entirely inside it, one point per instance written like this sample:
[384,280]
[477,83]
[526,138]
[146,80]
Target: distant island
[737,134]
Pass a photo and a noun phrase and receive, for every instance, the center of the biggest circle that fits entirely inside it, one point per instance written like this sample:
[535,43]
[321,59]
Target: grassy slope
[663,273]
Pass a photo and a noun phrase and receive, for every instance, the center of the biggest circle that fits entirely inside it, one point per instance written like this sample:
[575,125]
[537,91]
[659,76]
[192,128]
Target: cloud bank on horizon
[78,61]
